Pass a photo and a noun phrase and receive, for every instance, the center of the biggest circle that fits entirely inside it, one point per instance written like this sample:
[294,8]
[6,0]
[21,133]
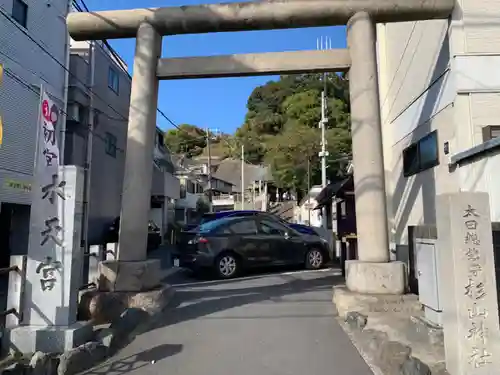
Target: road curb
[384,355]
[172,271]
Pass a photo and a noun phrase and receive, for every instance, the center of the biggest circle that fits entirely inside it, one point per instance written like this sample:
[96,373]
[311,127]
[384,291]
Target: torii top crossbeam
[258,15]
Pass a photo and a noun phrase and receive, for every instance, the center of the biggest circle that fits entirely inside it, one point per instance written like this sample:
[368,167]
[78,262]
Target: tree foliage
[281,129]
[191,141]
[202,205]
[186,139]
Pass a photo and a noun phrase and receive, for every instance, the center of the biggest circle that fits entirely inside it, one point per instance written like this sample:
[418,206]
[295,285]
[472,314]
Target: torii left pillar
[131,271]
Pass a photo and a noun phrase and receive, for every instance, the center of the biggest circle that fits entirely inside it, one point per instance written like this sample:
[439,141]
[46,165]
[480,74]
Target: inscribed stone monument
[467,284]
[54,260]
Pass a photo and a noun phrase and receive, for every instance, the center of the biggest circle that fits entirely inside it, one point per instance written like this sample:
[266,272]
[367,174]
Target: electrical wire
[124,118]
[14,76]
[106,43]
[27,85]
[13,22]
[113,52]
[37,92]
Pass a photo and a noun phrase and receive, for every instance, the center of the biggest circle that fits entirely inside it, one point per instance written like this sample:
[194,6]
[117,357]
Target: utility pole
[309,189]
[209,172]
[253,195]
[323,154]
[242,177]
[324,120]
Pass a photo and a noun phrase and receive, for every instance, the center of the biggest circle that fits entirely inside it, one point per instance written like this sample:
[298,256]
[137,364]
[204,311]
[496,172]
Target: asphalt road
[268,324]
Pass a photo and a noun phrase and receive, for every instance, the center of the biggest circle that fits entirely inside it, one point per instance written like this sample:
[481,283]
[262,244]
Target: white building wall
[439,75]
[476,40]
[26,67]
[189,201]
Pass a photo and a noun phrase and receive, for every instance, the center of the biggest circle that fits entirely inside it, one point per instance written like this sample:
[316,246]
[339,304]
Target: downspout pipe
[67,51]
[88,160]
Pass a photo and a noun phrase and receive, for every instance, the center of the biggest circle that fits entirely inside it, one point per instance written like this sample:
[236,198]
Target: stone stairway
[282,209]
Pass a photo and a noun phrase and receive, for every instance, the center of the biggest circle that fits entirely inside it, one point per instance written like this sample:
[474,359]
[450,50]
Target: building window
[421,155]
[96,117]
[343,209]
[161,140]
[82,114]
[491,132]
[190,187]
[110,146]
[113,81]
[20,12]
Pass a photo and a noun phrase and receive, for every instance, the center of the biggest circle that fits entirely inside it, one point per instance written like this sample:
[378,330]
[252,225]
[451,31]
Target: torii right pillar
[372,272]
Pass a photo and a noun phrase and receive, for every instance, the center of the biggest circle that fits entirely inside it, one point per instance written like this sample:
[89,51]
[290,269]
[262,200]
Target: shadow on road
[136,361]
[194,302]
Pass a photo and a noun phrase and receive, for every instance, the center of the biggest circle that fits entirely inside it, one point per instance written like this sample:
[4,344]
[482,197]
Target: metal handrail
[18,309]
[4,271]
[10,269]
[8,312]
[88,286]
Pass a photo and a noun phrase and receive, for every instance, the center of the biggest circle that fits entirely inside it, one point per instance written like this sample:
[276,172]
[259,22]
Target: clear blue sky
[214,103]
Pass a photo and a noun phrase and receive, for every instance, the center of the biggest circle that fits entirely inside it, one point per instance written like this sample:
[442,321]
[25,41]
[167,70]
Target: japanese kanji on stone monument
[54,262]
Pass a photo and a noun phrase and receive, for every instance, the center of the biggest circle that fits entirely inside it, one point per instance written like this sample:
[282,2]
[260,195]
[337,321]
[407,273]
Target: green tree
[187,139]
[281,129]
[202,205]
[288,150]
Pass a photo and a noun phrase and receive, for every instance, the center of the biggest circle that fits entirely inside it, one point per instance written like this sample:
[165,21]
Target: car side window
[244,227]
[223,230]
[271,228]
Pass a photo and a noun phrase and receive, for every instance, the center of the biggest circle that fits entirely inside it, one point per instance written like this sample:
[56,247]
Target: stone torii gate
[373,272]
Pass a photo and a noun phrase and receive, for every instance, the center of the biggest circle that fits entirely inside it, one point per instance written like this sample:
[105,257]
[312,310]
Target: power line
[27,85]
[30,87]
[37,92]
[13,22]
[113,52]
[123,118]
[18,79]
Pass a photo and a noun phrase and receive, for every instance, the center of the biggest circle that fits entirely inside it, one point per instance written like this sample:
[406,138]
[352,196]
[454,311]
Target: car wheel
[314,259]
[227,266]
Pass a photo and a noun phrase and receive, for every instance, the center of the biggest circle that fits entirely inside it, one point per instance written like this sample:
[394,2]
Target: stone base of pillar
[404,305]
[122,285]
[104,307]
[129,276]
[47,339]
[375,278]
